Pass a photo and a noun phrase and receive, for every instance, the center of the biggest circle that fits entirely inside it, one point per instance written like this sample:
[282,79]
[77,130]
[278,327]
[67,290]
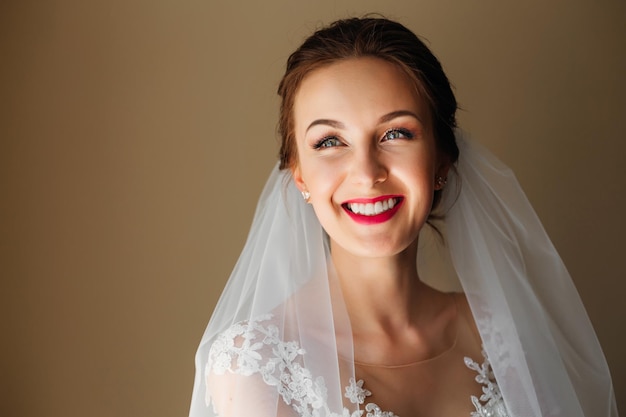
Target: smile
[373,211]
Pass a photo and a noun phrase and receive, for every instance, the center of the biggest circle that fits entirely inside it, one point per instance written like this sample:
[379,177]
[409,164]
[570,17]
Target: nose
[368,168]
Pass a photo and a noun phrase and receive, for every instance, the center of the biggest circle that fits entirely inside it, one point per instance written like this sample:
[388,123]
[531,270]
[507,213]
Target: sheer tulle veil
[535,331]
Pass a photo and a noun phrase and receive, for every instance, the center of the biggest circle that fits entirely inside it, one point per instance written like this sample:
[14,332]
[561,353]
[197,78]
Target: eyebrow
[327,122]
[399,113]
[386,118]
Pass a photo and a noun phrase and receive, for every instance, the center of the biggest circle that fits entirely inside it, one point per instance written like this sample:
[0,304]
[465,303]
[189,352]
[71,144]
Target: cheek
[320,175]
[419,178]
[322,186]
[419,167]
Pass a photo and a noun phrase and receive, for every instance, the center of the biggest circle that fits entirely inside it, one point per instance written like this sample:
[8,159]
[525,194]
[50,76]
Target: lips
[373,210]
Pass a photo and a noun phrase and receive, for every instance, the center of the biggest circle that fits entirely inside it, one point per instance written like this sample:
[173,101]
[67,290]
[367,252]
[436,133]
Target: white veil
[283,273]
[281,321]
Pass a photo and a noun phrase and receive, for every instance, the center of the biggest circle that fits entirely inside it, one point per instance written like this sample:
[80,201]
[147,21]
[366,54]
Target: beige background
[135,137]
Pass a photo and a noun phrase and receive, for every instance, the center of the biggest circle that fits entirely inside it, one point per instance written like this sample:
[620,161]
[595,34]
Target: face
[366,155]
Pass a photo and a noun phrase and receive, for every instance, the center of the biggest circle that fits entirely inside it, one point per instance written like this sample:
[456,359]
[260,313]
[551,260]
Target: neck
[381,294]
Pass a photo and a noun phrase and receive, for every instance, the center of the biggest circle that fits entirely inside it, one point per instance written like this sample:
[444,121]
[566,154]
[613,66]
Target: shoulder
[245,339]
[490,403]
[242,364]
[250,365]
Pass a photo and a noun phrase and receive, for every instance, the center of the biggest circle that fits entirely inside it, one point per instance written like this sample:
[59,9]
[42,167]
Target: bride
[327,312]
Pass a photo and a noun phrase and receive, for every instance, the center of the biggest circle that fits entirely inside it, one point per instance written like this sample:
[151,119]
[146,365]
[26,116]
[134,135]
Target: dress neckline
[426,360]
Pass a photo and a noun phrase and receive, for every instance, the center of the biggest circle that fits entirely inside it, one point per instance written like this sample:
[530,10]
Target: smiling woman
[326,314]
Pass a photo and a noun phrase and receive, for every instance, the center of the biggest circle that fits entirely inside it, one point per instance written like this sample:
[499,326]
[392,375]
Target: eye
[327,142]
[393,134]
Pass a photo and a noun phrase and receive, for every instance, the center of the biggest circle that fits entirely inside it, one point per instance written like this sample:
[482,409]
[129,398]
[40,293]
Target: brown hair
[371,37]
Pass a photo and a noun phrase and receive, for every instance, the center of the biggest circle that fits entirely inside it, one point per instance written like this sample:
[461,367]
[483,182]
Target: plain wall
[135,137]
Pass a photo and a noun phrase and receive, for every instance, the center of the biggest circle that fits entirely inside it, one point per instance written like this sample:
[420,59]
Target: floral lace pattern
[239,350]
[490,404]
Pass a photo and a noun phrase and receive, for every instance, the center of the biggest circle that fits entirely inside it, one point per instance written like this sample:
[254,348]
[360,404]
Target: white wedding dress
[255,349]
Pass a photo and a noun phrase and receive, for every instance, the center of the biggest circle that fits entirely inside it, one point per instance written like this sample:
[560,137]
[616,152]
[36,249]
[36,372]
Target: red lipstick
[362,210]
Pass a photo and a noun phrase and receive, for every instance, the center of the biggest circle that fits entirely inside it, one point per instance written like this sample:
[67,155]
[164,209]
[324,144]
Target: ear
[443,164]
[443,167]
[296,173]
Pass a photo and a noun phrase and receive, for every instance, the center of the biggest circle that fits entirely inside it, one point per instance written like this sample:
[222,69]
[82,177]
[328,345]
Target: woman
[326,313]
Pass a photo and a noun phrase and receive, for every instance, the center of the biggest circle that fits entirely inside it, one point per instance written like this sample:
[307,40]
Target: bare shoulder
[237,363]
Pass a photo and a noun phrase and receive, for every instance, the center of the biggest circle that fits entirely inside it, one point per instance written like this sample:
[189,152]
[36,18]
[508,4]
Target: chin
[373,248]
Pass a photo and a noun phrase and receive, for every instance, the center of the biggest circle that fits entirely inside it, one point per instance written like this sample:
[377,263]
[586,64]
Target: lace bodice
[242,349]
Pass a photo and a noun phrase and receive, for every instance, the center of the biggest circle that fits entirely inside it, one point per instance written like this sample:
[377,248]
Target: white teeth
[372,209]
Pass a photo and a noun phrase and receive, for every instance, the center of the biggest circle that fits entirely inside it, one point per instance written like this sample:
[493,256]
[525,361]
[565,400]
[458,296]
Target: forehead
[355,90]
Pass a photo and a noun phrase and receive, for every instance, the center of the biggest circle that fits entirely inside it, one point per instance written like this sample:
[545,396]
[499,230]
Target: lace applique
[490,404]
[357,394]
[374,411]
[239,350]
